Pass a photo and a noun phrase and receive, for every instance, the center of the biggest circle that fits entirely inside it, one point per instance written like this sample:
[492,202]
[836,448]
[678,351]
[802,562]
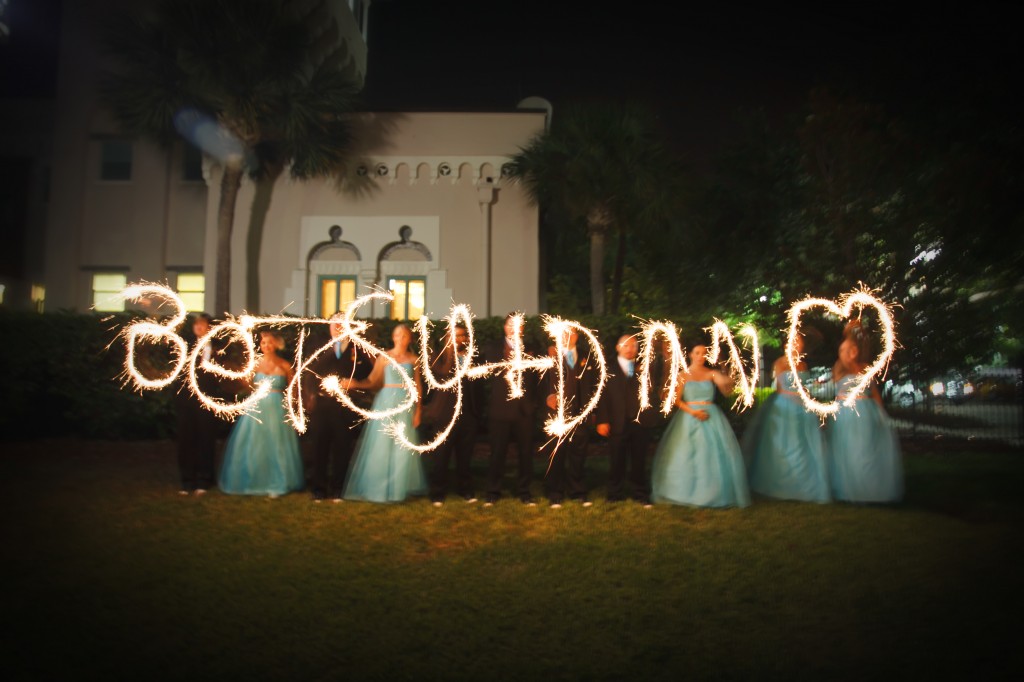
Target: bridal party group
[786,452]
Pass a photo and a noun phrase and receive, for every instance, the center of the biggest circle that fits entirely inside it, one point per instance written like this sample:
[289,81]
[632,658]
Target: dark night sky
[28,61]
[696,64]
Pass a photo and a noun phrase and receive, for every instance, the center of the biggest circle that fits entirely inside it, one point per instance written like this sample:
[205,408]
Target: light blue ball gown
[867,465]
[262,456]
[383,470]
[785,448]
[699,463]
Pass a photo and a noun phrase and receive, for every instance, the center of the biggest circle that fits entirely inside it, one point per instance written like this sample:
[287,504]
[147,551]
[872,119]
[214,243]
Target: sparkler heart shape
[843,310]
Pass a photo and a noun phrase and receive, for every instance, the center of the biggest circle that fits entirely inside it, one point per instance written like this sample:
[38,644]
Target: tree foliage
[925,214]
[267,75]
[605,167]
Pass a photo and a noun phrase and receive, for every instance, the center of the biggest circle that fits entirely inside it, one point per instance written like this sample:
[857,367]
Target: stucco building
[422,210]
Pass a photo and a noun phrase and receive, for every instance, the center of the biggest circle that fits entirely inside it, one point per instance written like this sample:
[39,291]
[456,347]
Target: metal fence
[986,405]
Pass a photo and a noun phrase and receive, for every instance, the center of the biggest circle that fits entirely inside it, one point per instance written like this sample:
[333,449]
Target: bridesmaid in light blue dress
[698,461]
[867,464]
[784,446]
[262,456]
[383,470]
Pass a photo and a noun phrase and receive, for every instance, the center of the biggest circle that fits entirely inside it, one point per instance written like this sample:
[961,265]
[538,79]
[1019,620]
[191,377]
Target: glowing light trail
[558,425]
[677,362]
[745,383]
[153,332]
[859,298]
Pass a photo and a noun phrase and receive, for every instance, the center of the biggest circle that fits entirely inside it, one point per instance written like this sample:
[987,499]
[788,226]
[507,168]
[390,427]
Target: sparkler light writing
[352,329]
[746,384]
[859,298]
[676,359]
[458,312]
[151,331]
[517,364]
[677,362]
[560,425]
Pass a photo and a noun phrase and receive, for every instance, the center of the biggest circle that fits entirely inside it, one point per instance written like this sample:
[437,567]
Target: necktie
[630,368]
[337,349]
[570,357]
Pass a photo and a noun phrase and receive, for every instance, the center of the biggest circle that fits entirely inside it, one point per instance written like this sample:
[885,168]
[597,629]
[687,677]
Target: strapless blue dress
[699,463]
[867,464]
[784,447]
[383,470]
[262,456]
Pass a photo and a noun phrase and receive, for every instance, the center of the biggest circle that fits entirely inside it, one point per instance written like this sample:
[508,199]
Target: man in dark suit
[627,428]
[507,417]
[438,413]
[580,378]
[197,426]
[333,427]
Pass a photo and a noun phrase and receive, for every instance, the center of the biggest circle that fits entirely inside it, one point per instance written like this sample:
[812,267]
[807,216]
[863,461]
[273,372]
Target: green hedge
[62,375]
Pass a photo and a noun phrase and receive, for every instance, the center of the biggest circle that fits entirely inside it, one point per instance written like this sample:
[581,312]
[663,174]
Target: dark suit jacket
[499,405]
[580,382]
[353,363]
[209,383]
[620,402]
[440,405]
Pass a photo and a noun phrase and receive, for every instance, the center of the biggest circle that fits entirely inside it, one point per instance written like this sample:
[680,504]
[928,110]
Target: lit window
[192,289]
[116,160]
[410,297]
[38,297]
[192,164]
[335,294]
[106,291]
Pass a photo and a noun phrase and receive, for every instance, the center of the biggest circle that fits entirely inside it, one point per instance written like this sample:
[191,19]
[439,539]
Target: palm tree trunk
[262,196]
[620,266]
[597,269]
[230,182]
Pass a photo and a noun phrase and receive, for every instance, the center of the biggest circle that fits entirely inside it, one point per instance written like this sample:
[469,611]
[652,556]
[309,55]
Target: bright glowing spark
[352,329]
[558,426]
[153,332]
[677,362]
[458,312]
[860,299]
[218,407]
[517,364]
[293,393]
[746,384]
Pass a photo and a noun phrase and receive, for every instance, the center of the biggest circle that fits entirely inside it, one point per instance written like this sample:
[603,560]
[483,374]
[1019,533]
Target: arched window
[402,268]
[333,272]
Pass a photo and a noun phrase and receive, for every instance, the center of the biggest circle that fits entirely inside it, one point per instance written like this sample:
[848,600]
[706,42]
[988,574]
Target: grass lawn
[110,574]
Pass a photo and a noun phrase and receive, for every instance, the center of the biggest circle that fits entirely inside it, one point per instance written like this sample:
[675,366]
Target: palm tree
[263,72]
[605,165]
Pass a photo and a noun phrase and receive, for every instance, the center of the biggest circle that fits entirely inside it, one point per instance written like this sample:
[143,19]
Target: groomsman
[627,429]
[438,413]
[333,427]
[507,417]
[197,426]
[580,378]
